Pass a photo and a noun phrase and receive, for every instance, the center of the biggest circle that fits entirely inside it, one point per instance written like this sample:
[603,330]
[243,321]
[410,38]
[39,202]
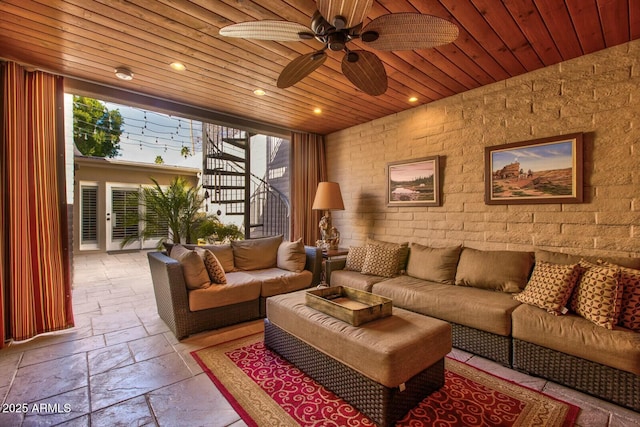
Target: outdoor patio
[120,365]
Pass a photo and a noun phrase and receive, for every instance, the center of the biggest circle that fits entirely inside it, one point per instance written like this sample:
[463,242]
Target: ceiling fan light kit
[335,24]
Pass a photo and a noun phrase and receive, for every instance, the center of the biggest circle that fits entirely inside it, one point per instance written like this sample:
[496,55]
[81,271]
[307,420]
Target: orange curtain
[34,252]
[308,168]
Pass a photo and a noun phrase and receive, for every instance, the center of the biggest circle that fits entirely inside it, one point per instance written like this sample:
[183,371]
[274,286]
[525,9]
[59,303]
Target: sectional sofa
[571,319]
[198,288]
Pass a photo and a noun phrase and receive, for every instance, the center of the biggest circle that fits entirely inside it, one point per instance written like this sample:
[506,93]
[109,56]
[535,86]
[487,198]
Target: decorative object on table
[547,170]
[414,182]
[265,389]
[335,24]
[328,198]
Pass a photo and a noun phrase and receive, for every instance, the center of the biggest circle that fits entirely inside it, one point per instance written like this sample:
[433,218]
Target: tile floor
[120,365]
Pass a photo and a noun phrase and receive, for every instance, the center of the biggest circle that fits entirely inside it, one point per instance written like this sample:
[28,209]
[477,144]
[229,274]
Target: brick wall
[598,94]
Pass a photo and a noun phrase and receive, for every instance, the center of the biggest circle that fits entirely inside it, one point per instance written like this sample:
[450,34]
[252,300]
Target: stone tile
[150,347]
[11,418]
[87,307]
[155,326]
[134,380]
[174,405]
[132,412]
[507,373]
[8,367]
[34,383]
[125,335]
[108,358]
[114,322]
[58,409]
[82,421]
[63,349]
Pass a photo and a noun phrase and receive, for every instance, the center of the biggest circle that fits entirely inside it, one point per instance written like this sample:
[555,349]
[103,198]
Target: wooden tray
[349,305]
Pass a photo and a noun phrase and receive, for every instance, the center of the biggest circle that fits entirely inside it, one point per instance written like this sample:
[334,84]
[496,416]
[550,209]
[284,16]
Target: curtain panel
[308,167]
[34,251]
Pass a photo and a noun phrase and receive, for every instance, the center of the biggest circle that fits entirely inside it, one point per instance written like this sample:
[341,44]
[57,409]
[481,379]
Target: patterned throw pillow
[355,258]
[381,261]
[213,266]
[630,311]
[598,295]
[550,286]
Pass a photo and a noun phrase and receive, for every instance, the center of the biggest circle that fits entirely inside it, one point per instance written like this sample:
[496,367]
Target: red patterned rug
[266,390]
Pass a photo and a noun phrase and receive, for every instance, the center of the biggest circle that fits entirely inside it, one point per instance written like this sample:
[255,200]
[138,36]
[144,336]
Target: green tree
[174,208]
[159,160]
[96,129]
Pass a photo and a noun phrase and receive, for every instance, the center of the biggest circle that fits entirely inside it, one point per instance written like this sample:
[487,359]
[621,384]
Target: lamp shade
[328,197]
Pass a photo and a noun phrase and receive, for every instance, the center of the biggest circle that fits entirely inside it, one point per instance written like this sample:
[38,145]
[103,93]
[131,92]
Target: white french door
[122,203]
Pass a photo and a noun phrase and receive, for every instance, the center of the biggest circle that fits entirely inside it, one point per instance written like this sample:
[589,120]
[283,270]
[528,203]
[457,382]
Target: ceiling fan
[335,24]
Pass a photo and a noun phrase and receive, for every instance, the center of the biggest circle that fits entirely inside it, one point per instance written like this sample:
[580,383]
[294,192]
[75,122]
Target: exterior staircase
[228,181]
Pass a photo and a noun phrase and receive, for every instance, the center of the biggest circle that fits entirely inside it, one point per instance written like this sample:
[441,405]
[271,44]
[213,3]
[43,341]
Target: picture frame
[546,170]
[414,182]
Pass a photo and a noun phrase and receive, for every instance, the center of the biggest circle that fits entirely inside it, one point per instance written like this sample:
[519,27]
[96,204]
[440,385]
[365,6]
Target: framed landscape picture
[414,182]
[547,170]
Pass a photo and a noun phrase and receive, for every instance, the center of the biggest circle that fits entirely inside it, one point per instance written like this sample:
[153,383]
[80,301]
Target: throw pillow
[381,261]
[355,258]
[291,256]
[550,286]
[433,264]
[193,269]
[630,309]
[213,266]
[404,251]
[505,271]
[256,254]
[598,295]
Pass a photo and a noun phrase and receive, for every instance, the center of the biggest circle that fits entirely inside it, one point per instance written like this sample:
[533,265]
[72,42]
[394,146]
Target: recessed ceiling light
[413,99]
[317,110]
[259,92]
[123,73]
[178,66]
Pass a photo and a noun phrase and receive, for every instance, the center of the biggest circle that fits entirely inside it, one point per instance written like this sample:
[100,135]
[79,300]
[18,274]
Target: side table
[328,254]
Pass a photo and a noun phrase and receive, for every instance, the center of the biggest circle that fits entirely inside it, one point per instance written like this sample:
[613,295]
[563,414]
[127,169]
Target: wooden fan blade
[300,68]
[408,31]
[281,31]
[366,73]
[353,11]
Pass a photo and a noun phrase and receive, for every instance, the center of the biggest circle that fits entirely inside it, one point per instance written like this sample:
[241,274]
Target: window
[89,216]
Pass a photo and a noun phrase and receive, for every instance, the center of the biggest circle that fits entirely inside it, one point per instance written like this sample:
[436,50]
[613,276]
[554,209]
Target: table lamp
[328,198]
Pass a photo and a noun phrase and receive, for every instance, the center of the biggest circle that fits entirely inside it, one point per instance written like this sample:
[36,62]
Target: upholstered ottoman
[384,367]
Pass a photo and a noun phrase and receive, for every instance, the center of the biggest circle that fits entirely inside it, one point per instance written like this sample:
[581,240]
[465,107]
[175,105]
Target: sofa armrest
[334,264]
[172,299]
[314,263]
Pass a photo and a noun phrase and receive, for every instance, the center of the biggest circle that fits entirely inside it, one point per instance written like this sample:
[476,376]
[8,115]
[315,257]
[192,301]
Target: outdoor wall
[598,94]
[103,173]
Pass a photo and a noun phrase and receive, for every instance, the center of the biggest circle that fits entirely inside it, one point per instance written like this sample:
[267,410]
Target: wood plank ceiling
[88,39]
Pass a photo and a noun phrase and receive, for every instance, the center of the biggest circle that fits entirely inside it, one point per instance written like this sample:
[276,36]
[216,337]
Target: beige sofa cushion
[550,286]
[354,279]
[506,271]
[578,337]
[433,264]
[390,351]
[476,308]
[193,268]
[291,256]
[277,281]
[598,295]
[381,260]
[224,253]
[213,266]
[256,254]
[240,287]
